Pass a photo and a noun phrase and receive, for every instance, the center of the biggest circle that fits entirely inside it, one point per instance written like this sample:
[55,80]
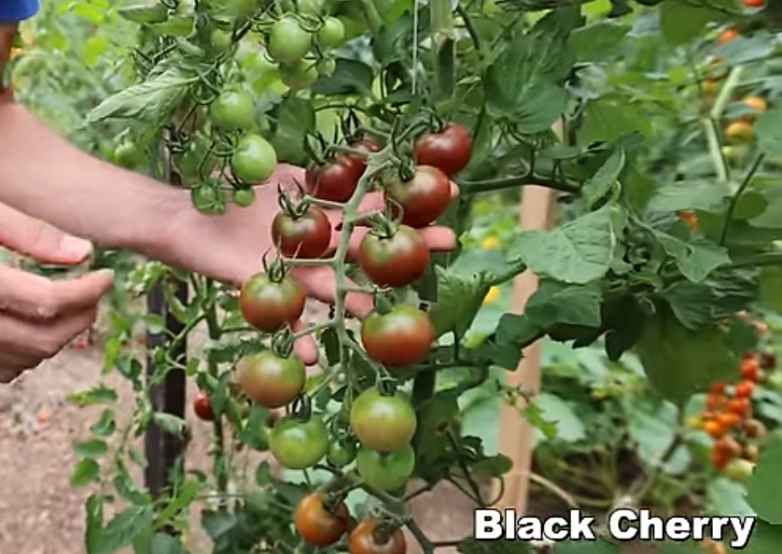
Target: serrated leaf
[597,187]
[556,302]
[106,425]
[153,100]
[578,252]
[459,299]
[524,81]
[91,449]
[553,409]
[697,259]
[688,195]
[170,423]
[100,394]
[85,472]
[598,41]
[765,487]
[768,129]
[295,118]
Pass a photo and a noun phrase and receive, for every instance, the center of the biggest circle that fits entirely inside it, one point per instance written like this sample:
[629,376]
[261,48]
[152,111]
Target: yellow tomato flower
[490,243]
[492,296]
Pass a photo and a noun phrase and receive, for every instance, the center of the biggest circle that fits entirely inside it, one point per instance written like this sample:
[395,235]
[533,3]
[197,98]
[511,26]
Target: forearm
[47,178]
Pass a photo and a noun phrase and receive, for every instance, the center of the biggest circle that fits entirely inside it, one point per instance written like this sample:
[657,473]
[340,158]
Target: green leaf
[253,434]
[682,22]
[728,498]
[555,410]
[144,12]
[768,129]
[765,487]
[578,252]
[121,531]
[91,449]
[651,425]
[295,118]
[170,423]
[163,543]
[598,41]
[523,84]
[106,425]
[771,287]
[591,547]
[350,77]
[690,195]
[96,395]
[85,472]
[153,101]
[556,302]
[185,494]
[697,259]
[459,299]
[494,466]
[765,540]
[601,183]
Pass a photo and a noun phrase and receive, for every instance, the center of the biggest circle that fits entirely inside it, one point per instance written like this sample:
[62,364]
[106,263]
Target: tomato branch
[502,183]
[736,197]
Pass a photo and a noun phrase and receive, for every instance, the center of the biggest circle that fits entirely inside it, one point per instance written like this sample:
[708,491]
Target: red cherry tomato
[740,406]
[745,389]
[401,337]
[394,261]
[424,198]
[317,525]
[307,235]
[336,180]
[268,305]
[754,3]
[203,407]
[366,538]
[449,150]
[750,369]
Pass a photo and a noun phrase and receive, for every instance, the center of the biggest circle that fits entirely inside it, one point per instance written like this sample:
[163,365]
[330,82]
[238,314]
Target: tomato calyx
[296,209]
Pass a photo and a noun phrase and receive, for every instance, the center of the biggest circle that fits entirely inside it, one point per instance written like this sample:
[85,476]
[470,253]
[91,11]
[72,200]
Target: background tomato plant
[665,160]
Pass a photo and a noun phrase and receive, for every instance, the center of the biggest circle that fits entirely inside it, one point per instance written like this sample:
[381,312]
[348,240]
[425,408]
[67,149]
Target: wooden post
[516,434]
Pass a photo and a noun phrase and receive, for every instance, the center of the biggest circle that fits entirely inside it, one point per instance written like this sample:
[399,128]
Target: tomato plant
[657,142]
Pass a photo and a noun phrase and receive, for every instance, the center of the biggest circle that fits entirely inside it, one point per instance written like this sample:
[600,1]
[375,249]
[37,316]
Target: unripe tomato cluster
[728,419]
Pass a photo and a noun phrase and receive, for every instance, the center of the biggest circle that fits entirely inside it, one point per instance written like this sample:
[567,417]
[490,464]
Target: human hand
[229,247]
[39,316]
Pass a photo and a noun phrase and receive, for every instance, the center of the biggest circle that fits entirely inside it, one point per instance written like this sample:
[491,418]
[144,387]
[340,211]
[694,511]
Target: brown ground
[39,511]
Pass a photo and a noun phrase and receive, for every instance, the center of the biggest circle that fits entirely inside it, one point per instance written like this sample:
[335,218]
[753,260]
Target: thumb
[32,237]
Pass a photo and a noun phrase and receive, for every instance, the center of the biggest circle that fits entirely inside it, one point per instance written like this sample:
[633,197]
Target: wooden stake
[516,435]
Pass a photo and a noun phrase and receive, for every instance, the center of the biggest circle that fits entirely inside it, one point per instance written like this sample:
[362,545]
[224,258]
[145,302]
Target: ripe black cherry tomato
[305,235]
[401,337]
[394,261]
[268,305]
[365,539]
[450,149]
[271,380]
[366,145]
[424,198]
[336,180]
[203,407]
[383,422]
[317,525]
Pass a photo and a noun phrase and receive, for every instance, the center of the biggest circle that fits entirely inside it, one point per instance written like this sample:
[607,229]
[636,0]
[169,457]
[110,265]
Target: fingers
[25,344]
[40,240]
[38,298]
[320,283]
[305,347]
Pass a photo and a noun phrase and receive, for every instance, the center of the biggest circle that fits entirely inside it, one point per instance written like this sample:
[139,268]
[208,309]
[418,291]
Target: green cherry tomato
[299,444]
[288,42]
[388,471]
[332,34]
[241,8]
[382,422]
[271,380]
[188,162]
[233,109]
[299,75]
[244,198]
[327,67]
[220,40]
[128,154]
[254,159]
[208,198]
[341,453]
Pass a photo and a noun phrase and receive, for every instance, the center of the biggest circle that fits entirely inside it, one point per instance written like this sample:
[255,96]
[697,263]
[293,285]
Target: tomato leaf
[85,472]
[598,187]
[598,41]
[682,22]
[699,195]
[765,487]
[152,101]
[555,410]
[459,299]
[524,83]
[91,449]
[696,259]
[555,302]
[295,118]
[163,543]
[350,77]
[769,131]
[578,252]
[96,395]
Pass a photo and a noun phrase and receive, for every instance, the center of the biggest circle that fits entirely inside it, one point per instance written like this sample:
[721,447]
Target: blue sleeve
[16,10]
